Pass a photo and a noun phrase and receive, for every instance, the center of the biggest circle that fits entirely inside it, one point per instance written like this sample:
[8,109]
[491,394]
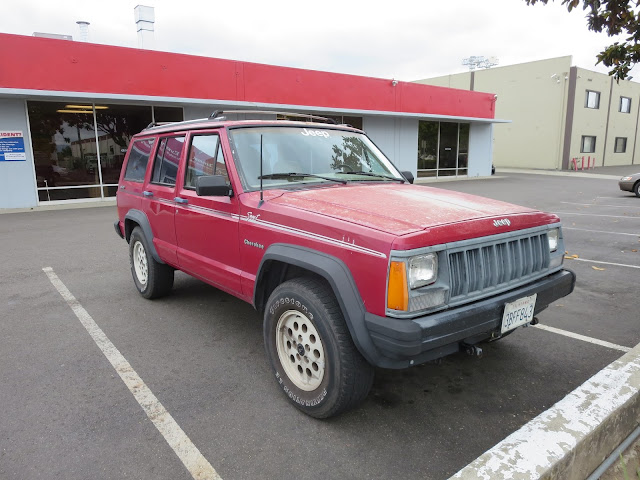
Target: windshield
[314,151]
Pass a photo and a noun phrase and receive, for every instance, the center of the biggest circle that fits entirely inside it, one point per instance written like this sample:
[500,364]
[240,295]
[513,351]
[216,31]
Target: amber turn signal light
[397,292]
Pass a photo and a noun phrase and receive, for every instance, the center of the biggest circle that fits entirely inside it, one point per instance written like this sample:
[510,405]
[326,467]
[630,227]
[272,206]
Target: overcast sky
[402,39]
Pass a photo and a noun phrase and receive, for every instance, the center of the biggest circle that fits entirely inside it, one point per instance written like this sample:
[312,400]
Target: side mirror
[212,186]
[408,175]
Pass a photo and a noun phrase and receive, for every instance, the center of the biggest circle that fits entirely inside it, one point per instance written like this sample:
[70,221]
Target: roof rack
[156,124]
[219,115]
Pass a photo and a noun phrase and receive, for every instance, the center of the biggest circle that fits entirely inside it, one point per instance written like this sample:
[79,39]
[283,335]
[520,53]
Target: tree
[614,17]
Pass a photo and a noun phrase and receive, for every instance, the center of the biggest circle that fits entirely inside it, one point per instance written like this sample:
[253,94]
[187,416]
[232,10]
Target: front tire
[636,189]
[311,351]
[152,279]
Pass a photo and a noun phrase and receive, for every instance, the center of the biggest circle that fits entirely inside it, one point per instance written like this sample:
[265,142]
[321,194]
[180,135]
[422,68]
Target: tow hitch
[473,350]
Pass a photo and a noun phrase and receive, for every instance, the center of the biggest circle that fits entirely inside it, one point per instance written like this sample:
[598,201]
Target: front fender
[339,277]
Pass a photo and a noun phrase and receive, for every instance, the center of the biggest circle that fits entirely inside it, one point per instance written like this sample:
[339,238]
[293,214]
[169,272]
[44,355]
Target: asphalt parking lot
[67,414]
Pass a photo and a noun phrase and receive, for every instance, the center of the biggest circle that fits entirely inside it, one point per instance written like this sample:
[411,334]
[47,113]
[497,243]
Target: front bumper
[626,186]
[403,343]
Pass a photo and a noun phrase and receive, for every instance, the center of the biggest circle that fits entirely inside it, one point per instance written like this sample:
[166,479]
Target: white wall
[397,138]
[17,179]
[480,149]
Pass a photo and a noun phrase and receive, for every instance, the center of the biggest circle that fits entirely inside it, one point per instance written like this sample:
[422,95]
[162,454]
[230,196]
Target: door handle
[181,200]
[147,193]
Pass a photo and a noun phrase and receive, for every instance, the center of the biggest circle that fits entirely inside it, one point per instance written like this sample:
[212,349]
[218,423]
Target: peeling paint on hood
[395,208]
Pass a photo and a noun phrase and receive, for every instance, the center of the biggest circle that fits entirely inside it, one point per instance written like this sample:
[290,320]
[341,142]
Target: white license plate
[518,313]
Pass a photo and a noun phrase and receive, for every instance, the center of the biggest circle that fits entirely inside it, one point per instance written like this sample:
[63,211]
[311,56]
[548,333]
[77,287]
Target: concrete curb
[559,173]
[61,206]
[572,438]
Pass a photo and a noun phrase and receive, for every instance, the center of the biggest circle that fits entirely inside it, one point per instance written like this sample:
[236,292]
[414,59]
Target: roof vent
[145,18]
[84,30]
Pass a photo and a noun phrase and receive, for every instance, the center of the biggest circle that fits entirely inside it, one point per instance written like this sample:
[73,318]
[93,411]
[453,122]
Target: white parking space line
[596,215]
[584,338]
[193,460]
[600,205]
[602,231]
[605,263]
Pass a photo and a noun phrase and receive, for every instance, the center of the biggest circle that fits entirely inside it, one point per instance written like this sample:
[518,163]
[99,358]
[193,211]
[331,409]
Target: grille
[485,267]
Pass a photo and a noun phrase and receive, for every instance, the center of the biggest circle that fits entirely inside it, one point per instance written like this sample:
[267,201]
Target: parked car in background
[630,183]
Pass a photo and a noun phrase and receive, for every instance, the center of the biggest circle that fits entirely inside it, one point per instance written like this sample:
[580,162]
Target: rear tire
[311,351]
[152,279]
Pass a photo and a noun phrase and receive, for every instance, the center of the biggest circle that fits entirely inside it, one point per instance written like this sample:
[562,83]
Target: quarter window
[165,167]
[621,145]
[625,104]
[205,158]
[138,159]
[588,144]
[592,99]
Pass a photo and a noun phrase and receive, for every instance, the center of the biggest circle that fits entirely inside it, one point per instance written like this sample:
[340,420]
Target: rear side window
[165,167]
[138,159]
[205,158]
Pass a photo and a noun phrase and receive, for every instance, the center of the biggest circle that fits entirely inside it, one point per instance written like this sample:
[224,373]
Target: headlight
[553,235]
[625,179]
[423,270]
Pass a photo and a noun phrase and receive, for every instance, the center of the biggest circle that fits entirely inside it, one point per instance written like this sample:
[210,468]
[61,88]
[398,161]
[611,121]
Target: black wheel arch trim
[339,277]
[141,219]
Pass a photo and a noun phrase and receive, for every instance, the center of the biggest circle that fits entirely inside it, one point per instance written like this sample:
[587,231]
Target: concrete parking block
[573,437]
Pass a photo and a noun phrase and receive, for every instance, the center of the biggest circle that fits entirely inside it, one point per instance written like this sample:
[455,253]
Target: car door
[207,227]
[159,196]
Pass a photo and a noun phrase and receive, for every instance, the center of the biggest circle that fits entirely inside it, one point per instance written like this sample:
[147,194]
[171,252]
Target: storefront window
[64,149]
[116,125]
[443,149]
[69,163]
[428,148]
[168,114]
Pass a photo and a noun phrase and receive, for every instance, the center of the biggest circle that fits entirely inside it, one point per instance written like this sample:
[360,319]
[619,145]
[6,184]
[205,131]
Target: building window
[621,145]
[588,144]
[625,104]
[79,147]
[592,100]
[443,149]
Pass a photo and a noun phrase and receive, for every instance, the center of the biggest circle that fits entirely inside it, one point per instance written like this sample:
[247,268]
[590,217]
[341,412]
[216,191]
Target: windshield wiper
[371,174]
[293,175]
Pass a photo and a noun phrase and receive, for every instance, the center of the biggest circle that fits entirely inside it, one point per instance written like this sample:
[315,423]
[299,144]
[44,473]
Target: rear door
[207,227]
[159,196]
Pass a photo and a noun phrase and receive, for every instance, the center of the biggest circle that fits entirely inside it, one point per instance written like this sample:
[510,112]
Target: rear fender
[140,218]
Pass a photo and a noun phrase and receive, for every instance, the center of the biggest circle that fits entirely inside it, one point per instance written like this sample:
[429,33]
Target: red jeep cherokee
[351,266]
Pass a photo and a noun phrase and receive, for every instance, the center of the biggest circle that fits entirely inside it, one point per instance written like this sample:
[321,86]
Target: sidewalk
[615,172]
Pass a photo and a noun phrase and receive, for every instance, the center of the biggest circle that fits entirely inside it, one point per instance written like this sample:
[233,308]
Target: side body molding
[337,274]
[141,219]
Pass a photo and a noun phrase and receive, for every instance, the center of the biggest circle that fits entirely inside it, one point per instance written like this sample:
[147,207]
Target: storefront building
[68,111]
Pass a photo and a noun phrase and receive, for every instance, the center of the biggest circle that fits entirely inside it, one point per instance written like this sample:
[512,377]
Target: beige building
[558,112]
